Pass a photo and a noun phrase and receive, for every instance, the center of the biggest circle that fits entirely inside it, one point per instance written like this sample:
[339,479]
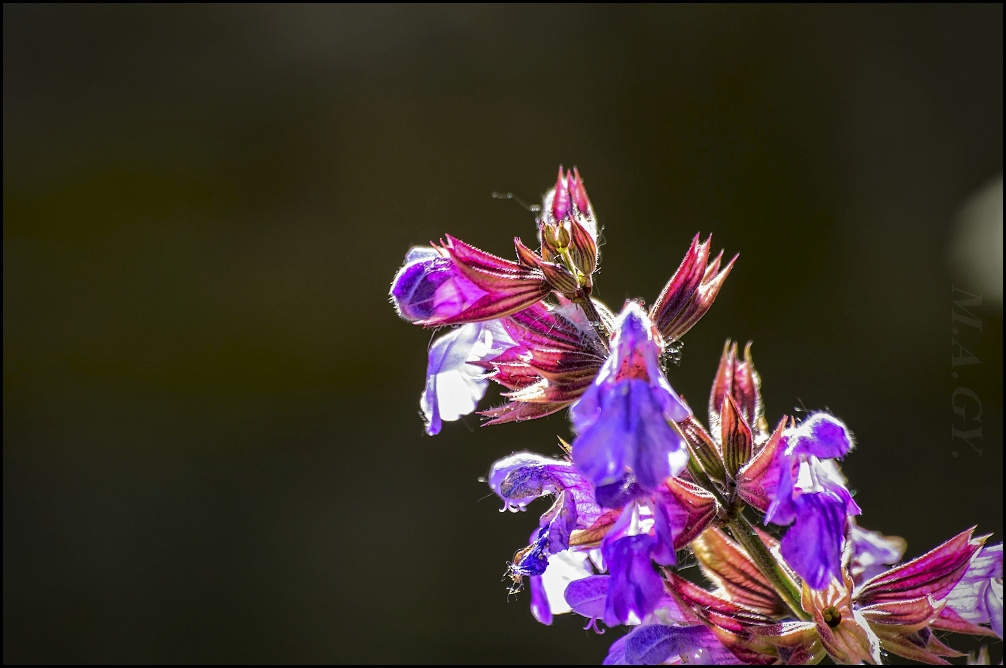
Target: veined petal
[454,385]
[524,477]
[813,545]
[587,596]
[821,435]
[635,588]
[616,653]
[629,430]
[619,493]
[667,526]
[428,287]
[653,644]
[811,494]
[599,451]
[540,608]
[625,418]
[978,597]
[994,604]
[781,510]
[872,552]
[560,520]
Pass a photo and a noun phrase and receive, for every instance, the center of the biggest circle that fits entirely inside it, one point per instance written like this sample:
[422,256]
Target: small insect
[513,572]
[516,580]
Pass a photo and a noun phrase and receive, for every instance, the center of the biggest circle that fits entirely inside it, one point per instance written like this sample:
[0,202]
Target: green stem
[745,534]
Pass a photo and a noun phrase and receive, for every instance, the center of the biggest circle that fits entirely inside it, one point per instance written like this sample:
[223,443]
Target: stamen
[832,617]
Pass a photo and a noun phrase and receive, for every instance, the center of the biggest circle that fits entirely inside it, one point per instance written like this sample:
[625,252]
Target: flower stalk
[744,533]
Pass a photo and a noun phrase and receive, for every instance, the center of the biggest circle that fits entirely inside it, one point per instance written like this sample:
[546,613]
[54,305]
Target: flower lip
[625,418]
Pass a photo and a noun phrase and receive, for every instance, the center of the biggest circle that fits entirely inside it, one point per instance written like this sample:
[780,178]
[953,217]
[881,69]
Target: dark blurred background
[212,448]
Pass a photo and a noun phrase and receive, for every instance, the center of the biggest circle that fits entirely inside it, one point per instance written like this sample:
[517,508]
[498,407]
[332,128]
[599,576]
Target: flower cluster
[644,480]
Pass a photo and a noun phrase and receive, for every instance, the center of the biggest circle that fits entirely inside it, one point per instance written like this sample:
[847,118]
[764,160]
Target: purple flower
[634,588]
[643,533]
[625,418]
[457,283]
[454,384]
[587,597]
[548,561]
[978,597]
[811,495]
[668,635]
[523,477]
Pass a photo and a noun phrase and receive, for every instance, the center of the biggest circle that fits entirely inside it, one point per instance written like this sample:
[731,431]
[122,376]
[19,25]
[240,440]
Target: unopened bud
[560,200]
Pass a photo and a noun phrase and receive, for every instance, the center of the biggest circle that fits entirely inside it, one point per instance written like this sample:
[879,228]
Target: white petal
[453,386]
[562,569]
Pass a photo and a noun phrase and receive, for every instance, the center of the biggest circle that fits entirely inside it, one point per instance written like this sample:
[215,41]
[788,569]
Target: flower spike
[645,488]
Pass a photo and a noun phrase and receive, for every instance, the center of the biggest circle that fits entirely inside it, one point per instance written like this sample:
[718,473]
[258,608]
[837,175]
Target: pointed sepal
[730,568]
[698,506]
[738,379]
[703,449]
[934,574]
[690,292]
[736,437]
[757,479]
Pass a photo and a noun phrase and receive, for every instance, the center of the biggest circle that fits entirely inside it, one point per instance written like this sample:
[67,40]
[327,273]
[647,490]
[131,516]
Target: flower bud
[568,229]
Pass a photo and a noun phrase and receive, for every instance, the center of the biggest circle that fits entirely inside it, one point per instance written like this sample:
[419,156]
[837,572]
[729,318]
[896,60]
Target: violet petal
[813,545]
[635,588]
[587,596]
